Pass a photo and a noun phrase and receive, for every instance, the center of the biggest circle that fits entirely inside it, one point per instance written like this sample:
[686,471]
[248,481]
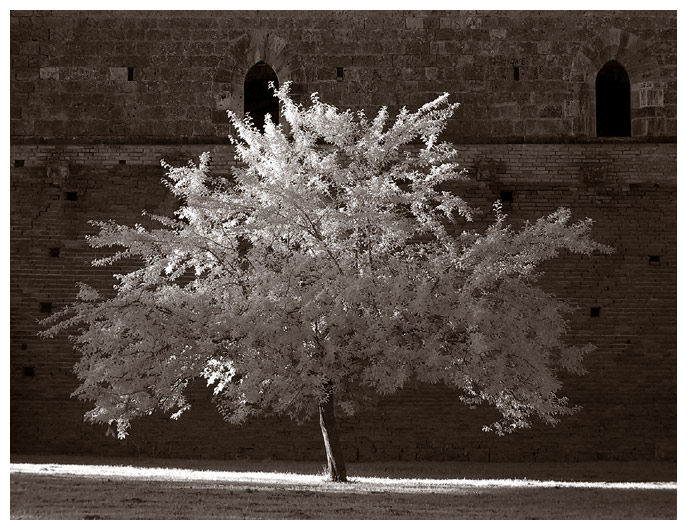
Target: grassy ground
[81,488]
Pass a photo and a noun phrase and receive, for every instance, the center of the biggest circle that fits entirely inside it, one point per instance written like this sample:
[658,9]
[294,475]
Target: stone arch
[613,107]
[258,97]
[646,85]
[241,55]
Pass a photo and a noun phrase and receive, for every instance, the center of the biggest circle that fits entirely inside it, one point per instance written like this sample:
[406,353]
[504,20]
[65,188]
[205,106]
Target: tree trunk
[336,466]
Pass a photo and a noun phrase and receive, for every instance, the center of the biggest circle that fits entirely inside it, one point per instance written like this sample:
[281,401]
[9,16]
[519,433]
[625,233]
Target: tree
[332,266]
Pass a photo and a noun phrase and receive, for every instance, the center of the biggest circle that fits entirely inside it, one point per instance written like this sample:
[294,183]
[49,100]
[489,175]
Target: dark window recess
[122,162]
[506,196]
[55,252]
[46,307]
[72,196]
[339,73]
[130,73]
[516,73]
[29,371]
[654,260]
[18,163]
[258,97]
[613,101]
[595,312]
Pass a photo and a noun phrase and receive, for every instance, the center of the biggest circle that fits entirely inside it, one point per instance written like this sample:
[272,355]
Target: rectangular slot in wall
[506,196]
[71,196]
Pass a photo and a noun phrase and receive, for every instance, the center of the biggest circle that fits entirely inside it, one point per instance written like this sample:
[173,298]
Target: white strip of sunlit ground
[295,479]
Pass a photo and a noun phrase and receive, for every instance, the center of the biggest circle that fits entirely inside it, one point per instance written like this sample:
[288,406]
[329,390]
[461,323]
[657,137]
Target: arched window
[258,97]
[613,101]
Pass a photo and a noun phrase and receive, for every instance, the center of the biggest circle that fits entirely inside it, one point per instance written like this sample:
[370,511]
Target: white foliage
[326,265]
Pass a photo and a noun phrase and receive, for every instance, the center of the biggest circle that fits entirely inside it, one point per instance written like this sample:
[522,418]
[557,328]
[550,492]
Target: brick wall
[86,143]
[628,397]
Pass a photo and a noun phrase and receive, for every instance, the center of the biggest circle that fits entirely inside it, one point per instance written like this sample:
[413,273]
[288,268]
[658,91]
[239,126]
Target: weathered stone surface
[551,48]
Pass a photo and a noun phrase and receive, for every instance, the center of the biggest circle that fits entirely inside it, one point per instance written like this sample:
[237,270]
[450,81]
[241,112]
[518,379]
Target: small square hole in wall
[339,73]
[130,73]
[18,163]
[506,196]
[122,162]
[595,312]
[654,260]
[29,371]
[71,196]
[55,252]
[46,307]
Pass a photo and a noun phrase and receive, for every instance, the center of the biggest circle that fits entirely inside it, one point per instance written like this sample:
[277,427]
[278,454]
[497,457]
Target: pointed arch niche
[258,97]
[248,64]
[613,116]
[617,88]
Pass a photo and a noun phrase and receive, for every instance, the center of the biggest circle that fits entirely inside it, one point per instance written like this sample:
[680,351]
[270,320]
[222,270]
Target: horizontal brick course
[628,396]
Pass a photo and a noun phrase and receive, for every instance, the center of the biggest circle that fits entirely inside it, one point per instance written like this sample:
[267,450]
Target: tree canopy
[332,262]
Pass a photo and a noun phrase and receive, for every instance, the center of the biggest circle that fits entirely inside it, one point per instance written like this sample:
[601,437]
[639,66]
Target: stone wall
[117,76]
[86,144]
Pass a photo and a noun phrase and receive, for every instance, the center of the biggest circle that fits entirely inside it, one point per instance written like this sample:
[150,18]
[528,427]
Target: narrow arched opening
[613,101]
[258,97]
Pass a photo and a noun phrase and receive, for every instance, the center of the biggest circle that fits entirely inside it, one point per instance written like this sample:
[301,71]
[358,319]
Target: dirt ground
[53,493]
